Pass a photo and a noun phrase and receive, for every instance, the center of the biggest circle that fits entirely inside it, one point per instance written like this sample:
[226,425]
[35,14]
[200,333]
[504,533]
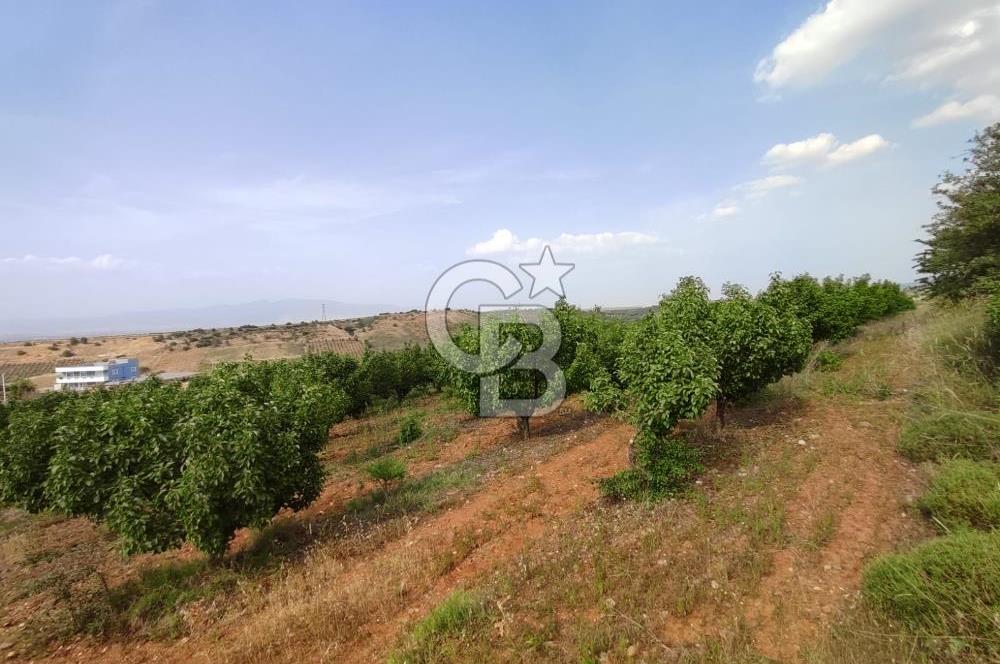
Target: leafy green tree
[117,457]
[26,447]
[514,383]
[754,344]
[671,374]
[962,251]
[251,439]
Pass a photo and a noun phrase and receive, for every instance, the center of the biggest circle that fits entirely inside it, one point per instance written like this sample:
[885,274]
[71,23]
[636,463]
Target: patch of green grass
[964,494]
[946,591]
[936,435]
[420,494]
[438,637]
[870,384]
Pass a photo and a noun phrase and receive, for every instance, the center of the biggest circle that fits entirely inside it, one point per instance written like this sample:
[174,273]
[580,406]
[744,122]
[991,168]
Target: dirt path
[850,507]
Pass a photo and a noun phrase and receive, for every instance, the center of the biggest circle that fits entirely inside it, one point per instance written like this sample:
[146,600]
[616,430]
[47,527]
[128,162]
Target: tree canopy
[962,251]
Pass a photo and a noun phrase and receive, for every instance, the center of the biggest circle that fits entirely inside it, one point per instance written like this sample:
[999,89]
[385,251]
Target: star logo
[547,274]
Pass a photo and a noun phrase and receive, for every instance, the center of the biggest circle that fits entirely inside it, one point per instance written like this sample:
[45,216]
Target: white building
[99,374]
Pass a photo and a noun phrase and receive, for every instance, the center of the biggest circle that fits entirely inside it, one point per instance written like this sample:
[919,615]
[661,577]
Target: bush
[67,353]
[409,430]
[828,360]
[952,434]
[964,494]
[947,587]
[21,388]
[604,396]
[664,466]
[386,470]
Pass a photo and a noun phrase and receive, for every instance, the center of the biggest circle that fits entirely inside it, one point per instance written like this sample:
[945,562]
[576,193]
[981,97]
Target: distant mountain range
[261,312]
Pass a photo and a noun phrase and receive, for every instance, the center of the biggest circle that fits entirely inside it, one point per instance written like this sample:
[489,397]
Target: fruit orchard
[160,465]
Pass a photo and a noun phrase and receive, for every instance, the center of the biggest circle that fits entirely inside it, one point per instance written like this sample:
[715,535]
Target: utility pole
[324,312]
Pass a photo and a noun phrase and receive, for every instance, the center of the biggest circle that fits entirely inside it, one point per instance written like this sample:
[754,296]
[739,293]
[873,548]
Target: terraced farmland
[351,347]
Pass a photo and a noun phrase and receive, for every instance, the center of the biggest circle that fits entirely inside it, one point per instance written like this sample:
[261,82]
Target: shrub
[22,352]
[409,430]
[828,360]
[947,587]
[67,353]
[663,466]
[585,368]
[21,388]
[386,470]
[952,434]
[964,494]
[604,395]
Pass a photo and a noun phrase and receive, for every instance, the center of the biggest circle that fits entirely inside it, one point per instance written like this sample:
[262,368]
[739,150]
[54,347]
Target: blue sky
[166,154]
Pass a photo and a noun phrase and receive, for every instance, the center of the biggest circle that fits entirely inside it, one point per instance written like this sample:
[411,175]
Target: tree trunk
[524,426]
[720,411]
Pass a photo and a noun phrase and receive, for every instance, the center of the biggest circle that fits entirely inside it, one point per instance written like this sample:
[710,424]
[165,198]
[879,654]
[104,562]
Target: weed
[828,360]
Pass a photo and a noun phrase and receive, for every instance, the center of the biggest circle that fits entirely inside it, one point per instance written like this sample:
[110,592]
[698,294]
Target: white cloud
[828,39]
[761,187]
[931,45]
[938,59]
[822,149]
[858,149]
[815,148]
[505,241]
[984,107]
[103,262]
[726,209]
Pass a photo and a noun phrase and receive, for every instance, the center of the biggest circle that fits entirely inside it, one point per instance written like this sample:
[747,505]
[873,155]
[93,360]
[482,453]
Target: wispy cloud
[337,199]
[504,241]
[104,262]
[984,107]
[725,209]
[763,186]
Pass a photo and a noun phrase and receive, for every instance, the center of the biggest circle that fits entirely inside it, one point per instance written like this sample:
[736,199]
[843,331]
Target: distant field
[16,370]
[351,347]
[200,349]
